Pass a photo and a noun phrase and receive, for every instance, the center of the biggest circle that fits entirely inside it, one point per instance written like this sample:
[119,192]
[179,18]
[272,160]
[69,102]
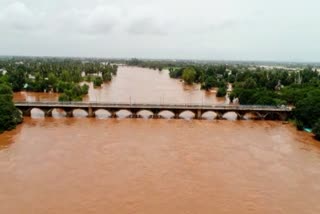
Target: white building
[31,77]
[3,71]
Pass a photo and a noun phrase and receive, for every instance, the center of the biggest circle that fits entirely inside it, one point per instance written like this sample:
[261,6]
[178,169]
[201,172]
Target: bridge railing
[162,105]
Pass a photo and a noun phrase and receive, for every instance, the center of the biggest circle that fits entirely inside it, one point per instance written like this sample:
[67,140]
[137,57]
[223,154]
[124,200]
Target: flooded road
[81,165]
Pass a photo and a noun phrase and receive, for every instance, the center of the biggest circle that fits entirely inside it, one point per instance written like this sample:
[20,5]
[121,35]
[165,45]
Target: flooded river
[81,165]
[138,85]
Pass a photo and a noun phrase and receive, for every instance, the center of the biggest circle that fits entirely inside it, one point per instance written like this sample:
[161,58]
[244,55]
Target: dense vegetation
[156,64]
[9,114]
[257,86]
[56,75]
[45,75]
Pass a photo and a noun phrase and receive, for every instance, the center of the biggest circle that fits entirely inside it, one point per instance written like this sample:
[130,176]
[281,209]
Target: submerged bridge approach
[198,110]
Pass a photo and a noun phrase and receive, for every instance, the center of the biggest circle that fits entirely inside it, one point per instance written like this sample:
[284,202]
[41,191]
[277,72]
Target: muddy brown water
[138,85]
[81,165]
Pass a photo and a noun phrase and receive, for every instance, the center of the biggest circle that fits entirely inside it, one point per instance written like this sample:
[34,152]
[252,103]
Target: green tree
[175,72]
[65,76]
[231,78]
[52,79]
[250,83]
[9,114]
[85,89]
[307,110]
[106,75]
[189,75]
[17,78]
[64,98]
[208,83]
[97,82]
[221,92]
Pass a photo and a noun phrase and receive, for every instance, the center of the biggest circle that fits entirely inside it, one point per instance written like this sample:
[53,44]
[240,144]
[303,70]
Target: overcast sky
[281,30]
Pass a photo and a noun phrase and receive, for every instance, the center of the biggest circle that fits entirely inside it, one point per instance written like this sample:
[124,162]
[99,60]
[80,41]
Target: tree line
[9,114]
[47,74]
[61,75]
[258,86]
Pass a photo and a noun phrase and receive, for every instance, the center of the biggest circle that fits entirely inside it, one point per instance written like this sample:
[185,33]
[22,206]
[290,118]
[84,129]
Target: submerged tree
[189,75]
[97,82]
[221,92]
[9,114]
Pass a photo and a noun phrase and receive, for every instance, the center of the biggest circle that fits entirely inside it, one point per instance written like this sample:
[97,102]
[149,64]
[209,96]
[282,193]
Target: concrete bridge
[260,112]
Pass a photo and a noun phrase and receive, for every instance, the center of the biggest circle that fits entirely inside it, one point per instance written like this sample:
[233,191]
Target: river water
[138,85]
[81,165]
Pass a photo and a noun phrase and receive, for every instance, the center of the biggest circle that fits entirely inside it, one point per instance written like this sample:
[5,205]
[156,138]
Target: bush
[85,89]
[9,114]
[189,75]
[307,110]
[63,86]
[221,92]
[106,76]
[97,82]
[175,72]
[64,98]
[74,94]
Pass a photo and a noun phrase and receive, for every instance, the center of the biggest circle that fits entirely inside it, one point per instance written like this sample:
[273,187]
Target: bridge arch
[210,115]
[252,115]
[145,113]
[102,113]
[232,115]
[123,113]
[186,114]
[37,112]
[167,114]
[58,112]
[79,112]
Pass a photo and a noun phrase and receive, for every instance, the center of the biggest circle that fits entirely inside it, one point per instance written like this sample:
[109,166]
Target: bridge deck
[153,106]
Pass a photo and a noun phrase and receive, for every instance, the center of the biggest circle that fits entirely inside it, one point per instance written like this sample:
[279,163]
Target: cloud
[17,16]
[100,20]
[104,18]
[179,28]
[146,26]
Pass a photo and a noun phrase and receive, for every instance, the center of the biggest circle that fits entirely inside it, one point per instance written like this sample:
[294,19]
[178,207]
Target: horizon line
[170,59]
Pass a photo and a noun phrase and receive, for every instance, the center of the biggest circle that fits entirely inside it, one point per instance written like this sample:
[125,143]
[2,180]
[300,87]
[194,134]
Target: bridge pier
[240,116]
[198,114]
[219,116]
[91,112]
[176,115]
[259,116]
[283,116]
[48,113]
[155,115]
[27,112]
[69,113]
[134,115]
[113,114]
